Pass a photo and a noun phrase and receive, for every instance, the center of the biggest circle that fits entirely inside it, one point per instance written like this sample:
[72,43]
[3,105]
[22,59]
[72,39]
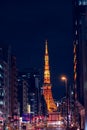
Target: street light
[64,78]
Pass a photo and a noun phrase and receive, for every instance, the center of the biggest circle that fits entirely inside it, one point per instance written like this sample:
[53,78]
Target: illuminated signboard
[27,117]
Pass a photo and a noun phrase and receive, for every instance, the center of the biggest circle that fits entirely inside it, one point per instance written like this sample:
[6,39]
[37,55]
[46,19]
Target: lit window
[2,93]
[76,32]
[0,66]
[83,2]
[1,102]
[23,75]
[18,80]
[79,2]
[1,75]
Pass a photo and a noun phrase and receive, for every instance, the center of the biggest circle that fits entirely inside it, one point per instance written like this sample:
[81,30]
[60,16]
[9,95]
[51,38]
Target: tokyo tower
[51,106]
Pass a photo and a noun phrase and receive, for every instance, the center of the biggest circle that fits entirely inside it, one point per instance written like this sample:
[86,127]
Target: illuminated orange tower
[51,106]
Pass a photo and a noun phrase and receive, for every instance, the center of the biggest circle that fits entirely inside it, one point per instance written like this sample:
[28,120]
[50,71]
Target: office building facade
[13,88]
[5,81]
[29,91]
[80,40]
[8,86]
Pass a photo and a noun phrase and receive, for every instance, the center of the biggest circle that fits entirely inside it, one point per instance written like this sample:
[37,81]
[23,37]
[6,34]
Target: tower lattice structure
[51,106]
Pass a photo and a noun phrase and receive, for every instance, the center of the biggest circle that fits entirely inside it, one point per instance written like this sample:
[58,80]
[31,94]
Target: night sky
[26,26]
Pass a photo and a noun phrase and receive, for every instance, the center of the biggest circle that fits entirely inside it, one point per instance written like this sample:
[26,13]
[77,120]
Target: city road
[51,128]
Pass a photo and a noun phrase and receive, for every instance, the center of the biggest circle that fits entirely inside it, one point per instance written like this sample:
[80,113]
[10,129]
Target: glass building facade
[80,38]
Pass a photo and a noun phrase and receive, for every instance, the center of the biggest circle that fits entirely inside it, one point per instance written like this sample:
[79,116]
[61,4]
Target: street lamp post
[64,78]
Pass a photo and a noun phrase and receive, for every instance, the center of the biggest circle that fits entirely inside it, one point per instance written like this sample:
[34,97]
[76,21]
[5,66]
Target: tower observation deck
[47,92]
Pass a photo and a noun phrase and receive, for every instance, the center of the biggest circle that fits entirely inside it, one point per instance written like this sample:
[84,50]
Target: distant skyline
[26,26]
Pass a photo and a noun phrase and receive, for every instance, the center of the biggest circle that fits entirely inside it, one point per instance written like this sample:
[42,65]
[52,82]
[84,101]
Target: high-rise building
[29,91]
[8,82]
[22,92]
[80,46]
[13,87]
[5,81]
[34,91]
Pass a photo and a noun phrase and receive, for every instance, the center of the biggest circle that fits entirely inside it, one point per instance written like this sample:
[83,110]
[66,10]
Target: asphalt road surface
[52,128]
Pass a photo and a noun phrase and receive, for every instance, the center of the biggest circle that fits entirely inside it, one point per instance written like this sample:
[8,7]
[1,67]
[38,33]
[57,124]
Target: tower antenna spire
[46,47]
[46,65]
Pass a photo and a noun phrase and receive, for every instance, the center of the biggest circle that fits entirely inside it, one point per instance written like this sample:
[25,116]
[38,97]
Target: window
[2,93]
[1,102]
[82,2]
[1,75]
[1,66]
